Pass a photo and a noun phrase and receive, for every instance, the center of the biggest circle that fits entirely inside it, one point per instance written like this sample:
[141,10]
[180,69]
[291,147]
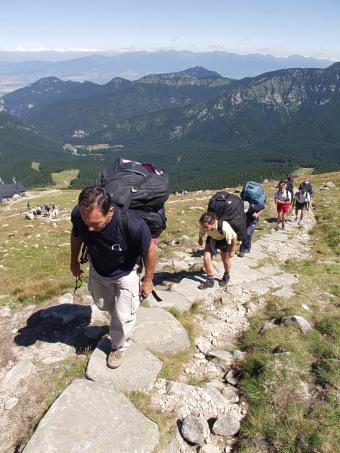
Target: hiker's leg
[278,220]
[246,243]
[123,318]
[207,260]
[102,290]
[226,261]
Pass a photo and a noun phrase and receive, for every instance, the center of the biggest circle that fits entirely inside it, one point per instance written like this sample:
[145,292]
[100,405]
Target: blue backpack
[253,193]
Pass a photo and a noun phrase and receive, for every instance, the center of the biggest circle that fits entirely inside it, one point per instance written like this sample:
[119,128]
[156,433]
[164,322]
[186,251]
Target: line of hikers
[112,230]
[284,200]
[224,238]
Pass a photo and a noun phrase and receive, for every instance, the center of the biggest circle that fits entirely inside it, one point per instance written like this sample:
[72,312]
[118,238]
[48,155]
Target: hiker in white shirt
[302,202]
[282,199]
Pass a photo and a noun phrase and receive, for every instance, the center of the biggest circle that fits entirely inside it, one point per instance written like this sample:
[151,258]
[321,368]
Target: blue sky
[281,28]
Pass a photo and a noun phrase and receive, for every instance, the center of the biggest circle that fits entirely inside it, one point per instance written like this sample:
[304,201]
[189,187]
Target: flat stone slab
[284,292]
[258,287]
[158,330]
[269,270]
[138,370]
[170,299]
[285,279]
[188,287]
[256,254]
[90,417]
[241,274]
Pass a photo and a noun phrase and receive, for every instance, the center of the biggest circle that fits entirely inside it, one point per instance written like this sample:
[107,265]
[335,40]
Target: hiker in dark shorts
[302,202]
[253,214]
[225,241]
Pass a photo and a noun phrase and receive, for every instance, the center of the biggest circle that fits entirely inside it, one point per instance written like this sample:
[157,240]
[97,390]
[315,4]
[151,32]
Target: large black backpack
[229,207]
[140,187]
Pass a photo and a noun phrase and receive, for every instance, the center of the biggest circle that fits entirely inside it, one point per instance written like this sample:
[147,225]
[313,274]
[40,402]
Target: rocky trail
[93,414]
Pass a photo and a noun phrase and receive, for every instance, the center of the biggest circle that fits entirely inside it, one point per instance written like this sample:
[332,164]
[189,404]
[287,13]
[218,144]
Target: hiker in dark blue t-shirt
[113,277]
[253,214]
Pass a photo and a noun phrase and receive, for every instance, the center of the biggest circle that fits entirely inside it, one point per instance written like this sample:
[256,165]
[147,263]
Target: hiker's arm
[257,214]
[150,263]
[76,243]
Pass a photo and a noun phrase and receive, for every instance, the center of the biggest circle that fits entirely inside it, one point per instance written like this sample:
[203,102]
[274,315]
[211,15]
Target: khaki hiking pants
[121,299]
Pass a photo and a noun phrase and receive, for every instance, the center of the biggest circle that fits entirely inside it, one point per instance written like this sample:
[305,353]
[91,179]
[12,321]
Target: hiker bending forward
[113,276]
[225,241]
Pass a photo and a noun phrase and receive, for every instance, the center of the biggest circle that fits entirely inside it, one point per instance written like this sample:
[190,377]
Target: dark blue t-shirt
[110,254]
[252,209]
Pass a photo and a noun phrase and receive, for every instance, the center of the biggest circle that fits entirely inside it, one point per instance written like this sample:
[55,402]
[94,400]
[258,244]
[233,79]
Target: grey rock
[226,356]
[230,393]
[67,313]
[138,370]
[96,332]
[285,279]
[227,425]
[91,417]
[331,185]
[231,377]
[284,292]
[239,355]
[168,335]
[267,325]
[303,324]
[19,371]
[260,442]
[188,287]
[257,287]
[170,299]
[66,299]
[203,345]
[268,270]
[5,311]
[10,403]
[195,429]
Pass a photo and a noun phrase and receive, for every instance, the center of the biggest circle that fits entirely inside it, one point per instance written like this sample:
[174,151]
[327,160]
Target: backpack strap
[123,220]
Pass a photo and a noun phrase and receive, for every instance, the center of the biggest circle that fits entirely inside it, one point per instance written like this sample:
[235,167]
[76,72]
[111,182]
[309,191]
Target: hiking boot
[225,280]
[114,359]
[283,225]
[208,283]
[299,223]
[241,254]
[295,220]
[276,228]
[247,251]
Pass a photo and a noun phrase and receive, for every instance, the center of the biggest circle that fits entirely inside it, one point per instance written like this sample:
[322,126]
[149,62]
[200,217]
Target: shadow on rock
[175,277]
[64,323]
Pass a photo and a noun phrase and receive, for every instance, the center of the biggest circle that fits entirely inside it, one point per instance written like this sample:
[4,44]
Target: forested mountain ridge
[20,146]
[252,127]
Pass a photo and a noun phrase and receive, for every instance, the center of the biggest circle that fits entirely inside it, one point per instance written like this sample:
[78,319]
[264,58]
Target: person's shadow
[64,323]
